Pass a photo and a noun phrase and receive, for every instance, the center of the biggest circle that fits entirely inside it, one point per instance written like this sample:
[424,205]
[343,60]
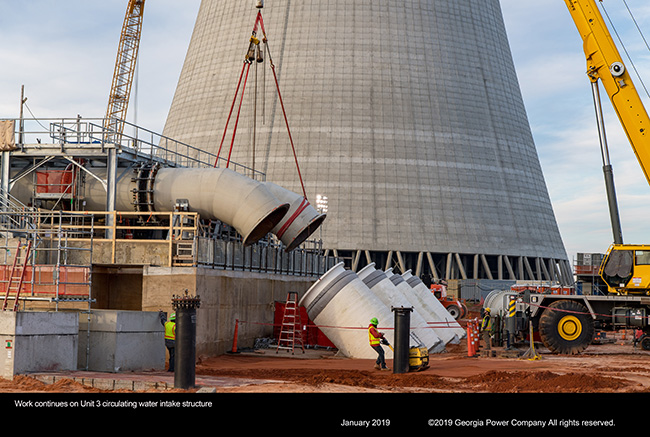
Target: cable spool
[497,301]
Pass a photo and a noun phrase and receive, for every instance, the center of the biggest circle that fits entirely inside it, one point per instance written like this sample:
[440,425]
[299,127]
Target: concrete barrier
[38,341]
[115,341]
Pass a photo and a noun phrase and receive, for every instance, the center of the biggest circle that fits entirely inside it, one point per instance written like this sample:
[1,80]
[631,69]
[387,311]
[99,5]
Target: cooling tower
[406,115]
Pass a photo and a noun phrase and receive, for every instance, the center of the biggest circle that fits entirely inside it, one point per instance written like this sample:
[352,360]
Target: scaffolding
[60,154]
[56,271]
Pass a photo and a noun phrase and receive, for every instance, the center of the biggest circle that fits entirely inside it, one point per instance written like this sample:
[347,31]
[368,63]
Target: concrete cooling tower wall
[406,115]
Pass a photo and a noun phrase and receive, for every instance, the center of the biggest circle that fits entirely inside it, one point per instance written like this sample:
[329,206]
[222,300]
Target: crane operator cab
[626,269]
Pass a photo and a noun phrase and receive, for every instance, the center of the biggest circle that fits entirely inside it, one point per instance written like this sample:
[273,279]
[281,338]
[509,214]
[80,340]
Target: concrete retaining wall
[226,296]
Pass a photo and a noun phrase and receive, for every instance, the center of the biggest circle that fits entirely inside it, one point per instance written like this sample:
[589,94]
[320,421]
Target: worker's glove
[384,341]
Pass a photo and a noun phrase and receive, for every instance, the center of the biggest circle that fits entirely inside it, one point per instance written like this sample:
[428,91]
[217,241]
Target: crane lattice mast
[125,65]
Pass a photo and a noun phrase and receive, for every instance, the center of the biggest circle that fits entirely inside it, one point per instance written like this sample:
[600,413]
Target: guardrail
[90,133]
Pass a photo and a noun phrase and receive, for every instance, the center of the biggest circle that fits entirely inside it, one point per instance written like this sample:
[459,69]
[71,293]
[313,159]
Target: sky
[63,52]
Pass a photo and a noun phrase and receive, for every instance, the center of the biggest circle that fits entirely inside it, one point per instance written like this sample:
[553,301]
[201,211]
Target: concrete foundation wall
[226,296]
[38,341]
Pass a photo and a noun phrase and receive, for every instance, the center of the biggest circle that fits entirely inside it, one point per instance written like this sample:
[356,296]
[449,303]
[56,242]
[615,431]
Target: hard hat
[374,321]
[172,316]
[487,309]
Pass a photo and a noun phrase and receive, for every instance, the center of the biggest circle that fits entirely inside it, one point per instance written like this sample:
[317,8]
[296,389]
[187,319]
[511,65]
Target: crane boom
[604,63]
[625,267]
[125,64]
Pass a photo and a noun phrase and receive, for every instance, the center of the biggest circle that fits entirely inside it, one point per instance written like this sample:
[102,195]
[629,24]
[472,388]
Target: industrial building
[406,117]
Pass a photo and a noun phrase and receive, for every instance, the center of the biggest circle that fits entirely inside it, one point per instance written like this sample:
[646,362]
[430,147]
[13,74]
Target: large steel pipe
[214,193]
[300,222]
[341,305]
[421,334]
[448,328]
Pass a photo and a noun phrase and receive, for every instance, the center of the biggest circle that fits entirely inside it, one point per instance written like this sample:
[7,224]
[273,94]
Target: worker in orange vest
[376,338]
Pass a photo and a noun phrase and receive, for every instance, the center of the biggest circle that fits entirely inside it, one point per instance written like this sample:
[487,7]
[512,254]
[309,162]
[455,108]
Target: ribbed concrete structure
[406,114]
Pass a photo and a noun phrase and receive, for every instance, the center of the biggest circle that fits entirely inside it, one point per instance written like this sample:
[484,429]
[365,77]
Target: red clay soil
[601,369]
[609,368]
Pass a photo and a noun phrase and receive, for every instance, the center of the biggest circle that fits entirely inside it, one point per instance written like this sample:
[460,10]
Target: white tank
[447,327]
[341,305]
[382,287]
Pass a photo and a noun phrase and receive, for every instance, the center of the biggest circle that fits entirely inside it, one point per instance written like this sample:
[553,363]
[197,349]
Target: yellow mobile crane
[567,323]
[625,268]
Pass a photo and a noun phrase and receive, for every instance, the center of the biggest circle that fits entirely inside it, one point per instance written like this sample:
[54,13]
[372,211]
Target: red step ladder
[291,328]
[18,275]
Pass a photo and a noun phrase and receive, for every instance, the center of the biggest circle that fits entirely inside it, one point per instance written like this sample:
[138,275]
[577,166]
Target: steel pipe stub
[300,222]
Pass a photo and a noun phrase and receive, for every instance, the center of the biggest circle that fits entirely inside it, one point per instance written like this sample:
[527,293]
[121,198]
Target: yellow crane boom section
[604,62]
[125,64]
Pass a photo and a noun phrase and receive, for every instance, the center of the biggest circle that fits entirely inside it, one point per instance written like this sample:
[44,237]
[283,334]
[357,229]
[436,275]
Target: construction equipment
[568,323]
[125,64]
[625,268]
[418,359]
[455,307]
[418,356]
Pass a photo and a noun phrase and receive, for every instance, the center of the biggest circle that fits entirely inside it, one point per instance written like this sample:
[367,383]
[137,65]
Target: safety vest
[487,323]
[371,338]
[170,331]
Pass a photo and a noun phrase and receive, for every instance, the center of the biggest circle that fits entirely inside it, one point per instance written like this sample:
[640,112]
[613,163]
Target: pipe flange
[185,301]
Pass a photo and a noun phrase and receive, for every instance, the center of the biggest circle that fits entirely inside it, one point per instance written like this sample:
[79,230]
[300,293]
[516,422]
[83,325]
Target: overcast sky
[64,52]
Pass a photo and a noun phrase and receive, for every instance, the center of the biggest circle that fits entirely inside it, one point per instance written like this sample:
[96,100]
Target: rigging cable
[637,25]
[625,49]
[286,121]
[259,21]
[230,113]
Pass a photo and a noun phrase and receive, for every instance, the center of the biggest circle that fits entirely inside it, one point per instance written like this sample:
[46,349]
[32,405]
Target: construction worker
[486,329]
[170,336]
[376,338]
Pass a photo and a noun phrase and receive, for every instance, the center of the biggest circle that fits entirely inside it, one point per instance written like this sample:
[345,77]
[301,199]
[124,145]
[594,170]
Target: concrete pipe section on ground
[341,305]
[421,334]
[446,326]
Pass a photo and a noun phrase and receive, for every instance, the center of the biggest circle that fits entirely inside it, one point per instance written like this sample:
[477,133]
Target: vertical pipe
[5,176]
[402,331]
[111,190]
[185,357]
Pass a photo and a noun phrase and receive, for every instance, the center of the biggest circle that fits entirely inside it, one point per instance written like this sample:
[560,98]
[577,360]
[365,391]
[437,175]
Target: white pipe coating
[214,193]
[393,297]
[300,222]
[450,330]
[341,305]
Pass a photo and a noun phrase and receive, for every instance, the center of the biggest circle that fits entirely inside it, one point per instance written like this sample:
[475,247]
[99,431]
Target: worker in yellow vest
[486,329]
[170,336]
[376,338]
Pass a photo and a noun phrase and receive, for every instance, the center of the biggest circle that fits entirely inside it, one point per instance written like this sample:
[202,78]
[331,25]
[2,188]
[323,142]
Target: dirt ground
[616,367]
[611,368]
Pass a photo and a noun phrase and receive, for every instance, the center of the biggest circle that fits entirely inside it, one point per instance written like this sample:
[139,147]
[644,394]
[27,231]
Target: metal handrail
[147,144]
